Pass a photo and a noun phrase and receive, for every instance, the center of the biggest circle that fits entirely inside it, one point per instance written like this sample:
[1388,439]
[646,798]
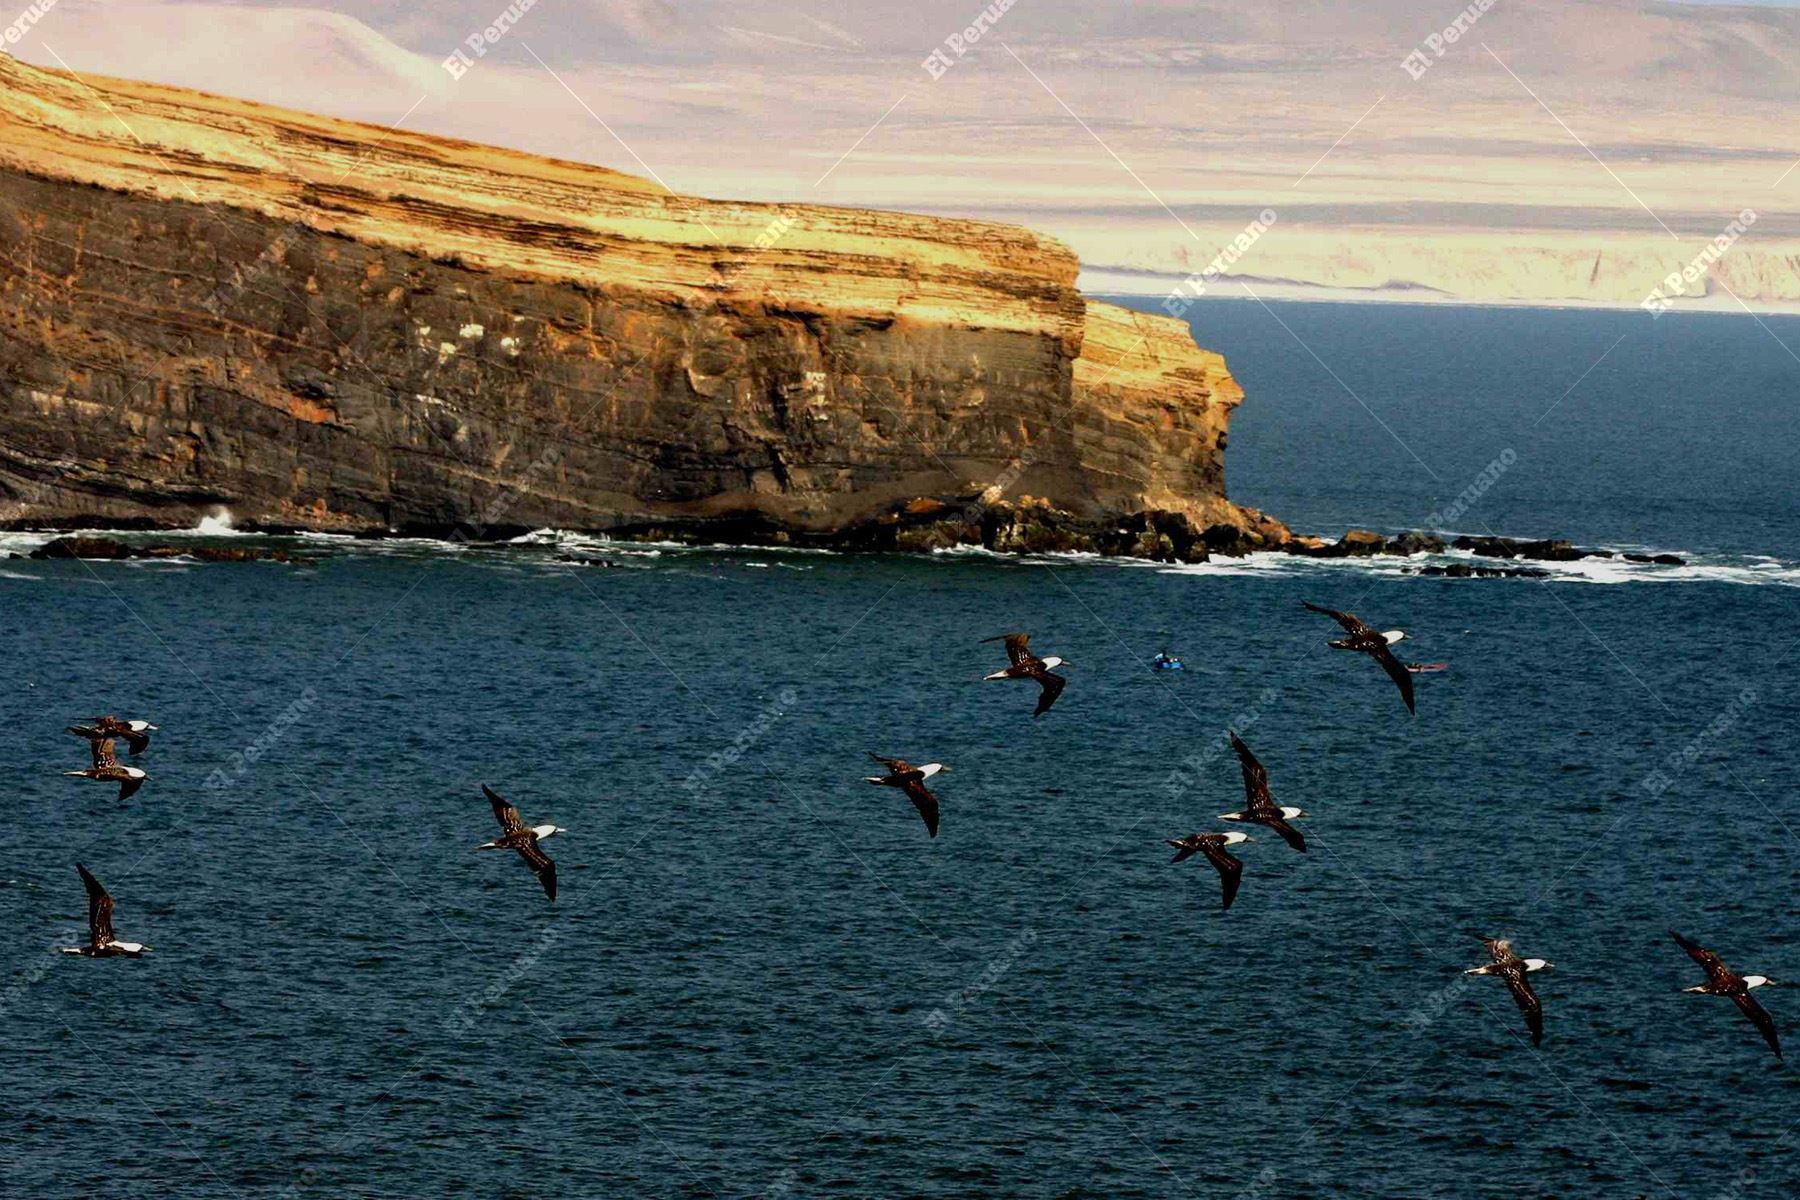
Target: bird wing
[1397,672]
[1256,779]
[128,786]
[136,742]
[1184,849]
[506,814]
[1347,620]
[925,802]
[1529,1004]
[1716,970]
[1288,833]
[1231,871]
[86,731]
[1052,686]
[1759,1017]
[540,864]
[100,907]
[895,766]
[1016,644]
[1499,949]
[102,749]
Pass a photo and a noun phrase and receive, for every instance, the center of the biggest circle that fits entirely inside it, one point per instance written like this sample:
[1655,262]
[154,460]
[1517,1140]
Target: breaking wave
[1747,570]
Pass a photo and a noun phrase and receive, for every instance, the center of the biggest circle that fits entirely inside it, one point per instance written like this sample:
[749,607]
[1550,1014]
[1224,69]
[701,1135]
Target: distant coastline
[1127,284]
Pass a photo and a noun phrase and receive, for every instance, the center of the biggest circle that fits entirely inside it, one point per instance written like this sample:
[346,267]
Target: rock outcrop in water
[325,325]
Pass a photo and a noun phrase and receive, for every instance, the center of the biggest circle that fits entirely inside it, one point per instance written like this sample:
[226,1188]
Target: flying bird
[1262,809]
[1367,641]
[136,733]
[106,768]
[911,780]
[101,942]
[1721,980]
[1230,869]
[516,835]
[1026,665]
[1513,970]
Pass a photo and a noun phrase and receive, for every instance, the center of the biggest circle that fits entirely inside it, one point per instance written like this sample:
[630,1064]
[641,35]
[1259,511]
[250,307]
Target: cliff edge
[329,325]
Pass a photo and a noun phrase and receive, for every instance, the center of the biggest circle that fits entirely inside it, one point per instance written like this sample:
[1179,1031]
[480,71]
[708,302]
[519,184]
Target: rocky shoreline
[103,549]
[926,524]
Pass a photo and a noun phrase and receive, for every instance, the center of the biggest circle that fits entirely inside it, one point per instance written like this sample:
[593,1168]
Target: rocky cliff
[319,324]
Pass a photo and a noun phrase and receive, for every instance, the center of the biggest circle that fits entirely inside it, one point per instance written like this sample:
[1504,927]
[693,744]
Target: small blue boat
[1163,662]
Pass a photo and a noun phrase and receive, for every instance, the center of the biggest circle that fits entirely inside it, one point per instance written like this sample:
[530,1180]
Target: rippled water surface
[761,978]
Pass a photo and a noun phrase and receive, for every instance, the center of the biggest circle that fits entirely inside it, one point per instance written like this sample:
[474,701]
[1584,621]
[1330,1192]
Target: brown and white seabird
[1026,665]
[516,835]
[136,733]
[911,780]
[106,768]
[1230,869]
[1262,809]
[101,942]
[1721,980]
[1513,970]
[1367,641]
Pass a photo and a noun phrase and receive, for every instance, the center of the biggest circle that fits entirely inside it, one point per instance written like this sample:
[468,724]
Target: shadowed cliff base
[329,326]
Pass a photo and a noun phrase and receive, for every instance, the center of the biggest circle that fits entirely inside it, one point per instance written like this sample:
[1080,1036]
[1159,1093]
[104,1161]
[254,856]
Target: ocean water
[761,978]
[1678,432]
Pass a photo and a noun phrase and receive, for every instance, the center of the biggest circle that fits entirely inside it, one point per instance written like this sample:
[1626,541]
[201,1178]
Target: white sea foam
[217,523]
[1760,570]
[570,539]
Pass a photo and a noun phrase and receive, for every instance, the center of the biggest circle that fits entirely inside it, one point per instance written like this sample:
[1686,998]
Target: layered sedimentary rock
[207,302]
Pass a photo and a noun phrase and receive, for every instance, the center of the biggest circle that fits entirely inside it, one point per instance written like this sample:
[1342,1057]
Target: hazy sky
[1141,132]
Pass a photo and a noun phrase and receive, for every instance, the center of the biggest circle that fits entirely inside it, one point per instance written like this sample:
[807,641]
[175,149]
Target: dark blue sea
[761,978]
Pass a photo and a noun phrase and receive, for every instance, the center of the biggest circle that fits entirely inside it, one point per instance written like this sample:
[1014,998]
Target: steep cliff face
[207,302]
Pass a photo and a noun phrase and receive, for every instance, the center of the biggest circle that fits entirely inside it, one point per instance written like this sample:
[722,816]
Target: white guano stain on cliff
[470,330]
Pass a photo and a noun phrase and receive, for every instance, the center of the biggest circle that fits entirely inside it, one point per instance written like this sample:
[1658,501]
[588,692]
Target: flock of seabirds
[1260,809]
